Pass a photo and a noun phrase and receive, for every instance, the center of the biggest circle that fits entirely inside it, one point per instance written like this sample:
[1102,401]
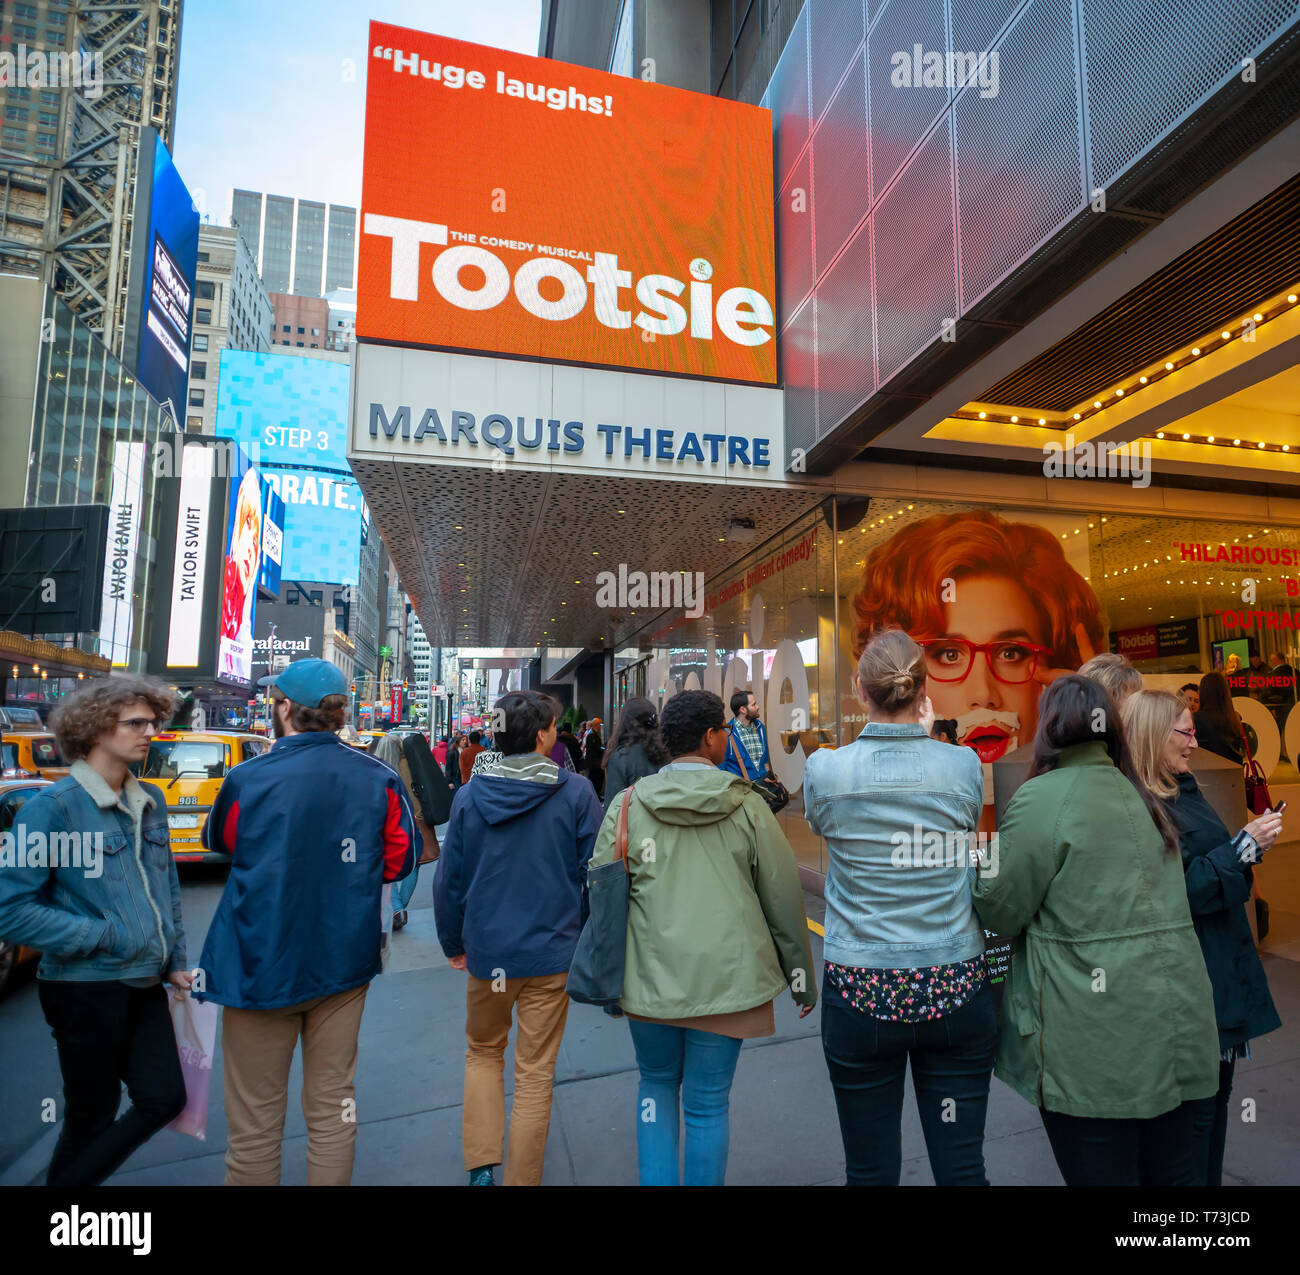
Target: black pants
[108,1033]
[1210,1127]
[952,1063]
[1097,1152]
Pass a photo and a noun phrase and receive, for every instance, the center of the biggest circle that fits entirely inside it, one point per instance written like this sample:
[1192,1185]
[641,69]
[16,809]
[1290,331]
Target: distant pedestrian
[109,932]
[508,896]
[1219,869]
[593,753]
[748,736]
[906,977]
[1107,1014]
[388,748]
[468,753]
[570,741]
[453,760]
[314,829]
[716,931]
[635,749]
[1218,725]
[1190,694]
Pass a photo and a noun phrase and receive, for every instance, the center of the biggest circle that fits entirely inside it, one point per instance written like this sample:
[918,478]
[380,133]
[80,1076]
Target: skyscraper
[302,246]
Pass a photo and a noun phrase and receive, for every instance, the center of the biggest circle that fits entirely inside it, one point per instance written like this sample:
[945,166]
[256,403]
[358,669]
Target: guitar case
[431,790]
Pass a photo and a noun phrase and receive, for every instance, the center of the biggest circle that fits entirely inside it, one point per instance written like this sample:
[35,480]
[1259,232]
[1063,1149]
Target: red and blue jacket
[314,828]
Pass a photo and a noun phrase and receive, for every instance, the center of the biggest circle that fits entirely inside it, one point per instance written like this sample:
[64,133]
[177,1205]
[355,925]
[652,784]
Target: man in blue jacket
[746,733]
[510,903]
[314,830]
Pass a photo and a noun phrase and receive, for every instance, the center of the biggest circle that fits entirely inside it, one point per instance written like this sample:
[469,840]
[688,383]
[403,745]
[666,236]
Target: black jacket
[1223,742]
[570,741]
[1218,888]
[626,766]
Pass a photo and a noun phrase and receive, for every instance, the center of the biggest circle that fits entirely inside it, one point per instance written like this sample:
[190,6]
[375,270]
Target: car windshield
[9,755]
[195,759]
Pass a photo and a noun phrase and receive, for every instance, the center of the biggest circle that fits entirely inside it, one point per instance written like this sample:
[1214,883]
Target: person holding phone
[1218,868]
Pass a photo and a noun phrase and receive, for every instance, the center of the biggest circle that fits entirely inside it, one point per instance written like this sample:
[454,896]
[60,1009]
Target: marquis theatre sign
[516,205]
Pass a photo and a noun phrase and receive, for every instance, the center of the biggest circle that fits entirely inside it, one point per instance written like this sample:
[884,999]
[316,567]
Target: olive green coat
[1108,1010]
[716,920]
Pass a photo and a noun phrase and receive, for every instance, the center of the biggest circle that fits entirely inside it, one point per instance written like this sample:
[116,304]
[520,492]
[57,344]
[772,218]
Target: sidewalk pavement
[783,1125]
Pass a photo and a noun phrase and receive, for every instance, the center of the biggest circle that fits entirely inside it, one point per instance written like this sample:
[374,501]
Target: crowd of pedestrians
[1134,985]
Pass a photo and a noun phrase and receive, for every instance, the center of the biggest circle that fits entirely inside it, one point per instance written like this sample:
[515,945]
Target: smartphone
[1281,806]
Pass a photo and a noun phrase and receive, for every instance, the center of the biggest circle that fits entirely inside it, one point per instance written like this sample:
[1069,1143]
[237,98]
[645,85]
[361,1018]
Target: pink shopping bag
[195,1025]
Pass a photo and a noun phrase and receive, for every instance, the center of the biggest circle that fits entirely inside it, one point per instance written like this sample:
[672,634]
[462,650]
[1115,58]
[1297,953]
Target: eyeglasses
[951,659]
[141,725]
[1191,734]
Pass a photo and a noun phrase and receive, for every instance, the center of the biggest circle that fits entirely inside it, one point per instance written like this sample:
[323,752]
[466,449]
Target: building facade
[300,322]
[302,246]
[231,311]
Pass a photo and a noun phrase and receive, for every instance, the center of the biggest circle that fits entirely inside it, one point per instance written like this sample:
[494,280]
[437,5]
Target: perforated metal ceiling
[521,570]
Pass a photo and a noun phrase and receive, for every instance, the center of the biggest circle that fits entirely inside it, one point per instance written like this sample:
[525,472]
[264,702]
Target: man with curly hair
[90,881]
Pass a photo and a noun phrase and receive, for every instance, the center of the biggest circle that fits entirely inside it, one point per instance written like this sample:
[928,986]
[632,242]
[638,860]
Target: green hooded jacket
[716,921]
[1108,1010]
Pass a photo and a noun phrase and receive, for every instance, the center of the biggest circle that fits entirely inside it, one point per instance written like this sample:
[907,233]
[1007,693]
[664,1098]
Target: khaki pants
[257,1049]
[542,1006]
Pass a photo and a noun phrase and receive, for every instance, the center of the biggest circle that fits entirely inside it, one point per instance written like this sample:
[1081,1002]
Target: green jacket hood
[688,798]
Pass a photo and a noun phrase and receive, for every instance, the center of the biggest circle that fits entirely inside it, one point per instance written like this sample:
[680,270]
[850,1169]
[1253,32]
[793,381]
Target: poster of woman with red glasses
[1000,611]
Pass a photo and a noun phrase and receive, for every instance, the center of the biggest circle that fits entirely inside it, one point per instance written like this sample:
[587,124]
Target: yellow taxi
[26,752]
[189,765]
[14,794]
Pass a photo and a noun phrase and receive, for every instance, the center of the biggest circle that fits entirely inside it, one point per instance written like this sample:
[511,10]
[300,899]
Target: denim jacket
[104,903]
[897,808]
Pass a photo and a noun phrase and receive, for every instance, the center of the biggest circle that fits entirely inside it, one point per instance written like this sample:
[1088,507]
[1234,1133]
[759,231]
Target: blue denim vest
[896,808]
[110,913]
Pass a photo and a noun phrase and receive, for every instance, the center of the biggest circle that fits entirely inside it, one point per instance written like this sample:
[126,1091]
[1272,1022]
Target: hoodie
[716,921]
[509,889]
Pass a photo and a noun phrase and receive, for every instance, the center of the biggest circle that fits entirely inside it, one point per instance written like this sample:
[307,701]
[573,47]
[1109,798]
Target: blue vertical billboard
[290,414]
[160,290]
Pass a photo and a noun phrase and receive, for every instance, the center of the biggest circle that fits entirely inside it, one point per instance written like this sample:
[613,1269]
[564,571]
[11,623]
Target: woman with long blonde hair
[1218,870]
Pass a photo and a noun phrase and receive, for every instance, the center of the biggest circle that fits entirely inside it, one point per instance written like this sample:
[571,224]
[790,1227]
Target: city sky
[266,102]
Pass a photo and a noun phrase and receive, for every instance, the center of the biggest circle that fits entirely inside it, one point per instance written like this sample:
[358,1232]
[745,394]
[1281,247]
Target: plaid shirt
[751,739]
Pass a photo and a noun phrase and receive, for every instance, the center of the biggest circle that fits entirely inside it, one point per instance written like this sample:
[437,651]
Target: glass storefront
[1178,596]
[93,441]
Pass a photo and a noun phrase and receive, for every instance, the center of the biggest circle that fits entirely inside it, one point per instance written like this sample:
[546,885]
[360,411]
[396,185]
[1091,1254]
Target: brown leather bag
[430,851]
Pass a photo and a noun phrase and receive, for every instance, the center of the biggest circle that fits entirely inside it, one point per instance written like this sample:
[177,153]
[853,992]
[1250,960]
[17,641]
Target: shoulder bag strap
[620,839]
[1245,742]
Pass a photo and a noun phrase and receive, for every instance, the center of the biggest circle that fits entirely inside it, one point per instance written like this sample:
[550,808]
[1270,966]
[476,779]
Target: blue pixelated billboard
[290,413]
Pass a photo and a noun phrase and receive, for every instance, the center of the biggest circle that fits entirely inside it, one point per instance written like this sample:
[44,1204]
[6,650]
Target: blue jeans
[952,1064]
[701,1066]
[403,889]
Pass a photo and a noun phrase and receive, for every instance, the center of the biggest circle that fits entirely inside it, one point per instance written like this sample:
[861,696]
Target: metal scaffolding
[67,218]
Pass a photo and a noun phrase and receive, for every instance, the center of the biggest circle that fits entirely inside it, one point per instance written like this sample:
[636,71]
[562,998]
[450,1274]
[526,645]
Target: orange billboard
[521,206]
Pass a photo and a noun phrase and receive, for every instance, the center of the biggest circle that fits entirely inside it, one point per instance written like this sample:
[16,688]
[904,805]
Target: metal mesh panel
[901,114]
[798,352]
[794,235]
[1019,164]
[1147,63]
[975,23]
[846,355]
[841,167]
[788,99]
[916,256]
[838,27]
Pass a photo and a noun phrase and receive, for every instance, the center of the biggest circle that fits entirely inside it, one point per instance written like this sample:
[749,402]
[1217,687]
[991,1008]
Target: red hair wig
[902,581]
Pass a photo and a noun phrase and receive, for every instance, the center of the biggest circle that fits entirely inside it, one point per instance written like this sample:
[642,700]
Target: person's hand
[1265,829]
[456,962]
[805,1010]
[181,981]
[927,714]
[1046,676]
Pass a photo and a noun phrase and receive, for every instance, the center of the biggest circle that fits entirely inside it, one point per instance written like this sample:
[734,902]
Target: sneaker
[482,1176]
[399,919]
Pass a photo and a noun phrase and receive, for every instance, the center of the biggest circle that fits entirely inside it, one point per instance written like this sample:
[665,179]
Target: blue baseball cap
[307,682]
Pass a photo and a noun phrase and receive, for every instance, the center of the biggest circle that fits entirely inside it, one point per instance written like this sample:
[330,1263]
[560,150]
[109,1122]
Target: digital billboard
[164,257]
[240,569]
[290,413]
[518,205]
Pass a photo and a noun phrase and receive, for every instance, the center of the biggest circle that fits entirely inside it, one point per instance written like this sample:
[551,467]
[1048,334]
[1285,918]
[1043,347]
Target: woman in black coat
[635,749]
[593,751]
[1218,728]
[1219,879]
